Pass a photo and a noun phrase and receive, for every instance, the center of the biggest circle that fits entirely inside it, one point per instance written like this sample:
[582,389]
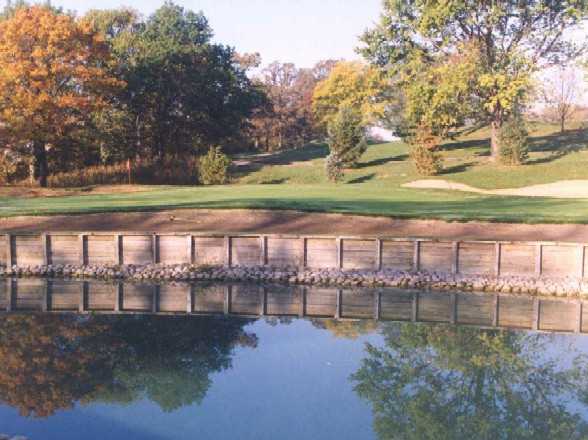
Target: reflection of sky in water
[294,385]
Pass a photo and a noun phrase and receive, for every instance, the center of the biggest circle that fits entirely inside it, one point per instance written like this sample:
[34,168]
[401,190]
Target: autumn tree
[52,79]
[350,84]
[472,60]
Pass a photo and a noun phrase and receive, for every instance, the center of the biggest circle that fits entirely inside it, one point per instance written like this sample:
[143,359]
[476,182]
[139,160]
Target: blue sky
[300,31]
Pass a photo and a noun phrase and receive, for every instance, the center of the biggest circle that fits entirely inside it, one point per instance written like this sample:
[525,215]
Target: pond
[106,360]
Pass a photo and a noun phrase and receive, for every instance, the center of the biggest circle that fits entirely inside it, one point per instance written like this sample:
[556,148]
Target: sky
[298,31]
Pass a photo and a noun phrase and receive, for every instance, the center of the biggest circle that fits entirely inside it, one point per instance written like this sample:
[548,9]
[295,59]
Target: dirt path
[564,189]
[292,222]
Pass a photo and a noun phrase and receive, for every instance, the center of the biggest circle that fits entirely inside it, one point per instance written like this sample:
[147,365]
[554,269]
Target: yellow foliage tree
[52,78]
[350,84]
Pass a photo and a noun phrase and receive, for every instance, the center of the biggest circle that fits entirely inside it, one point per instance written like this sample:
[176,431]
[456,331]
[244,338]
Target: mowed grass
[296,180]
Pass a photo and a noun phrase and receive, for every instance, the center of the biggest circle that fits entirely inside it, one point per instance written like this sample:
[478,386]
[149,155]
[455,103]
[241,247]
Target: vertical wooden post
[227,301]
[496,306]
[46,306]
[11,296]
[83,249]
[189,249]
[582,261]
[455,257]
[155,300]
[9,253]
[263,250]
[538,259]
[190,299]
[498,255]
[45,249]
[155,248]
[302,303]
[338,304]
[379,254]
[579,312]
[118,249]
[453,308]
[228,251]
[118,297]
[339,243]
[536,312]
[377,305]
[303,258]
[83,304]
[263,305]
[416,256]
[415,307]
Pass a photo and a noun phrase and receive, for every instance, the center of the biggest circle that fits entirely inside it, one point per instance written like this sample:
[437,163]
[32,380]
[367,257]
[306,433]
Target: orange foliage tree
[53,76]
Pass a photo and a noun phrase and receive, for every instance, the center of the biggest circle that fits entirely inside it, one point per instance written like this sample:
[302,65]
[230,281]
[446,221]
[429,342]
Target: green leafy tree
[460,61]
[440,382]
[514,140]
[347,140]
[214,167]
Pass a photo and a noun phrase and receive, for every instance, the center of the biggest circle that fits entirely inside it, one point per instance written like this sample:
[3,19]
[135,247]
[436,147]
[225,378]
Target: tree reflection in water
[50,362]
[441,382]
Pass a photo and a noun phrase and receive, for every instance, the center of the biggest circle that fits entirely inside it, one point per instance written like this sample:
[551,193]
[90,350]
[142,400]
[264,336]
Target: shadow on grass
[382,161]
[458,168]
[362,179]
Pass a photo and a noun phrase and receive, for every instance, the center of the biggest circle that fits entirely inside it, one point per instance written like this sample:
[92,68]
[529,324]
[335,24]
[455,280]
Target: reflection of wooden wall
[468,258]
[485,310]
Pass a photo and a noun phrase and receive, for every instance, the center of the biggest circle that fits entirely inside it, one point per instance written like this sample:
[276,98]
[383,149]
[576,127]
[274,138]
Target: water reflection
[439,382]
[102,344]
[50,362]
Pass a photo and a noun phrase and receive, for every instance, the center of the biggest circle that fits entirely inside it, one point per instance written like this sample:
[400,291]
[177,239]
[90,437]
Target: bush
[427,160]
[214,167]
[12,169]
[334,168]
[171,171]
[513,139]
[347,136]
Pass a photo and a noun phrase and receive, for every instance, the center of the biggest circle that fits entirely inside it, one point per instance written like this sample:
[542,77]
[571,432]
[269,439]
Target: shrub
[171,170]
[427,161]
[347,136]
[513,139]
[334,168]
[12,169]
[214,167]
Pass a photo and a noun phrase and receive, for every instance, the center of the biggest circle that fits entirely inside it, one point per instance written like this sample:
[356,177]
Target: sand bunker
[563,189]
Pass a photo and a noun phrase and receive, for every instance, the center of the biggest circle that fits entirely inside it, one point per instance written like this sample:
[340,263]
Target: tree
[436,382]
[52,79]
[504,41]
[349,84]
[561,90]
[347,140]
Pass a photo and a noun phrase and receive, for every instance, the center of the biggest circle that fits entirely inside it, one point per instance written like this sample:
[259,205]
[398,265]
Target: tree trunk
[494,141]
[41,166]
[562,124]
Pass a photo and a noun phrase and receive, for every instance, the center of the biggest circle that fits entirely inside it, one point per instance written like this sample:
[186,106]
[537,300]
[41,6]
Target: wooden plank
[102,296]
[475,309]
[102,249]
[174,298]
[378,254]
[560,261]
[359,254]
[209,299]
[339,245]
[416,257]
[396,304]
[263,247]
[538,259]
[137,249]
[434,307]
[284,252]
[30,294]
[436,256]
[210,251]
[65,295]
[27,250]
[3,249]
[245,299]
[515,312]
[561,316]
[83,249]
[321,253]
[45,249]
[189,249]
[228,251]
[138,297]
[63,249]
[9,250]
[246,251]
[155,249]
[283,300]
[397,255]
[477,258]
[174,249]
[498,262]
[517,259]
[357,304]
[321,302]
[118,249]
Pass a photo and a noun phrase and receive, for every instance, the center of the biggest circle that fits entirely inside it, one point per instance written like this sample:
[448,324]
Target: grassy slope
[296,180]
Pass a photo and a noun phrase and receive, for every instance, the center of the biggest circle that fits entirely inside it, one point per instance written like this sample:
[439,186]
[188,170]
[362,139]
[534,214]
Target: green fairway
[296,180]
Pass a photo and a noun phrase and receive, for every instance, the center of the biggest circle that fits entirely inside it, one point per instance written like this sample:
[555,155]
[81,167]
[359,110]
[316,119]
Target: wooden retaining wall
[387,304]
[458,257]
